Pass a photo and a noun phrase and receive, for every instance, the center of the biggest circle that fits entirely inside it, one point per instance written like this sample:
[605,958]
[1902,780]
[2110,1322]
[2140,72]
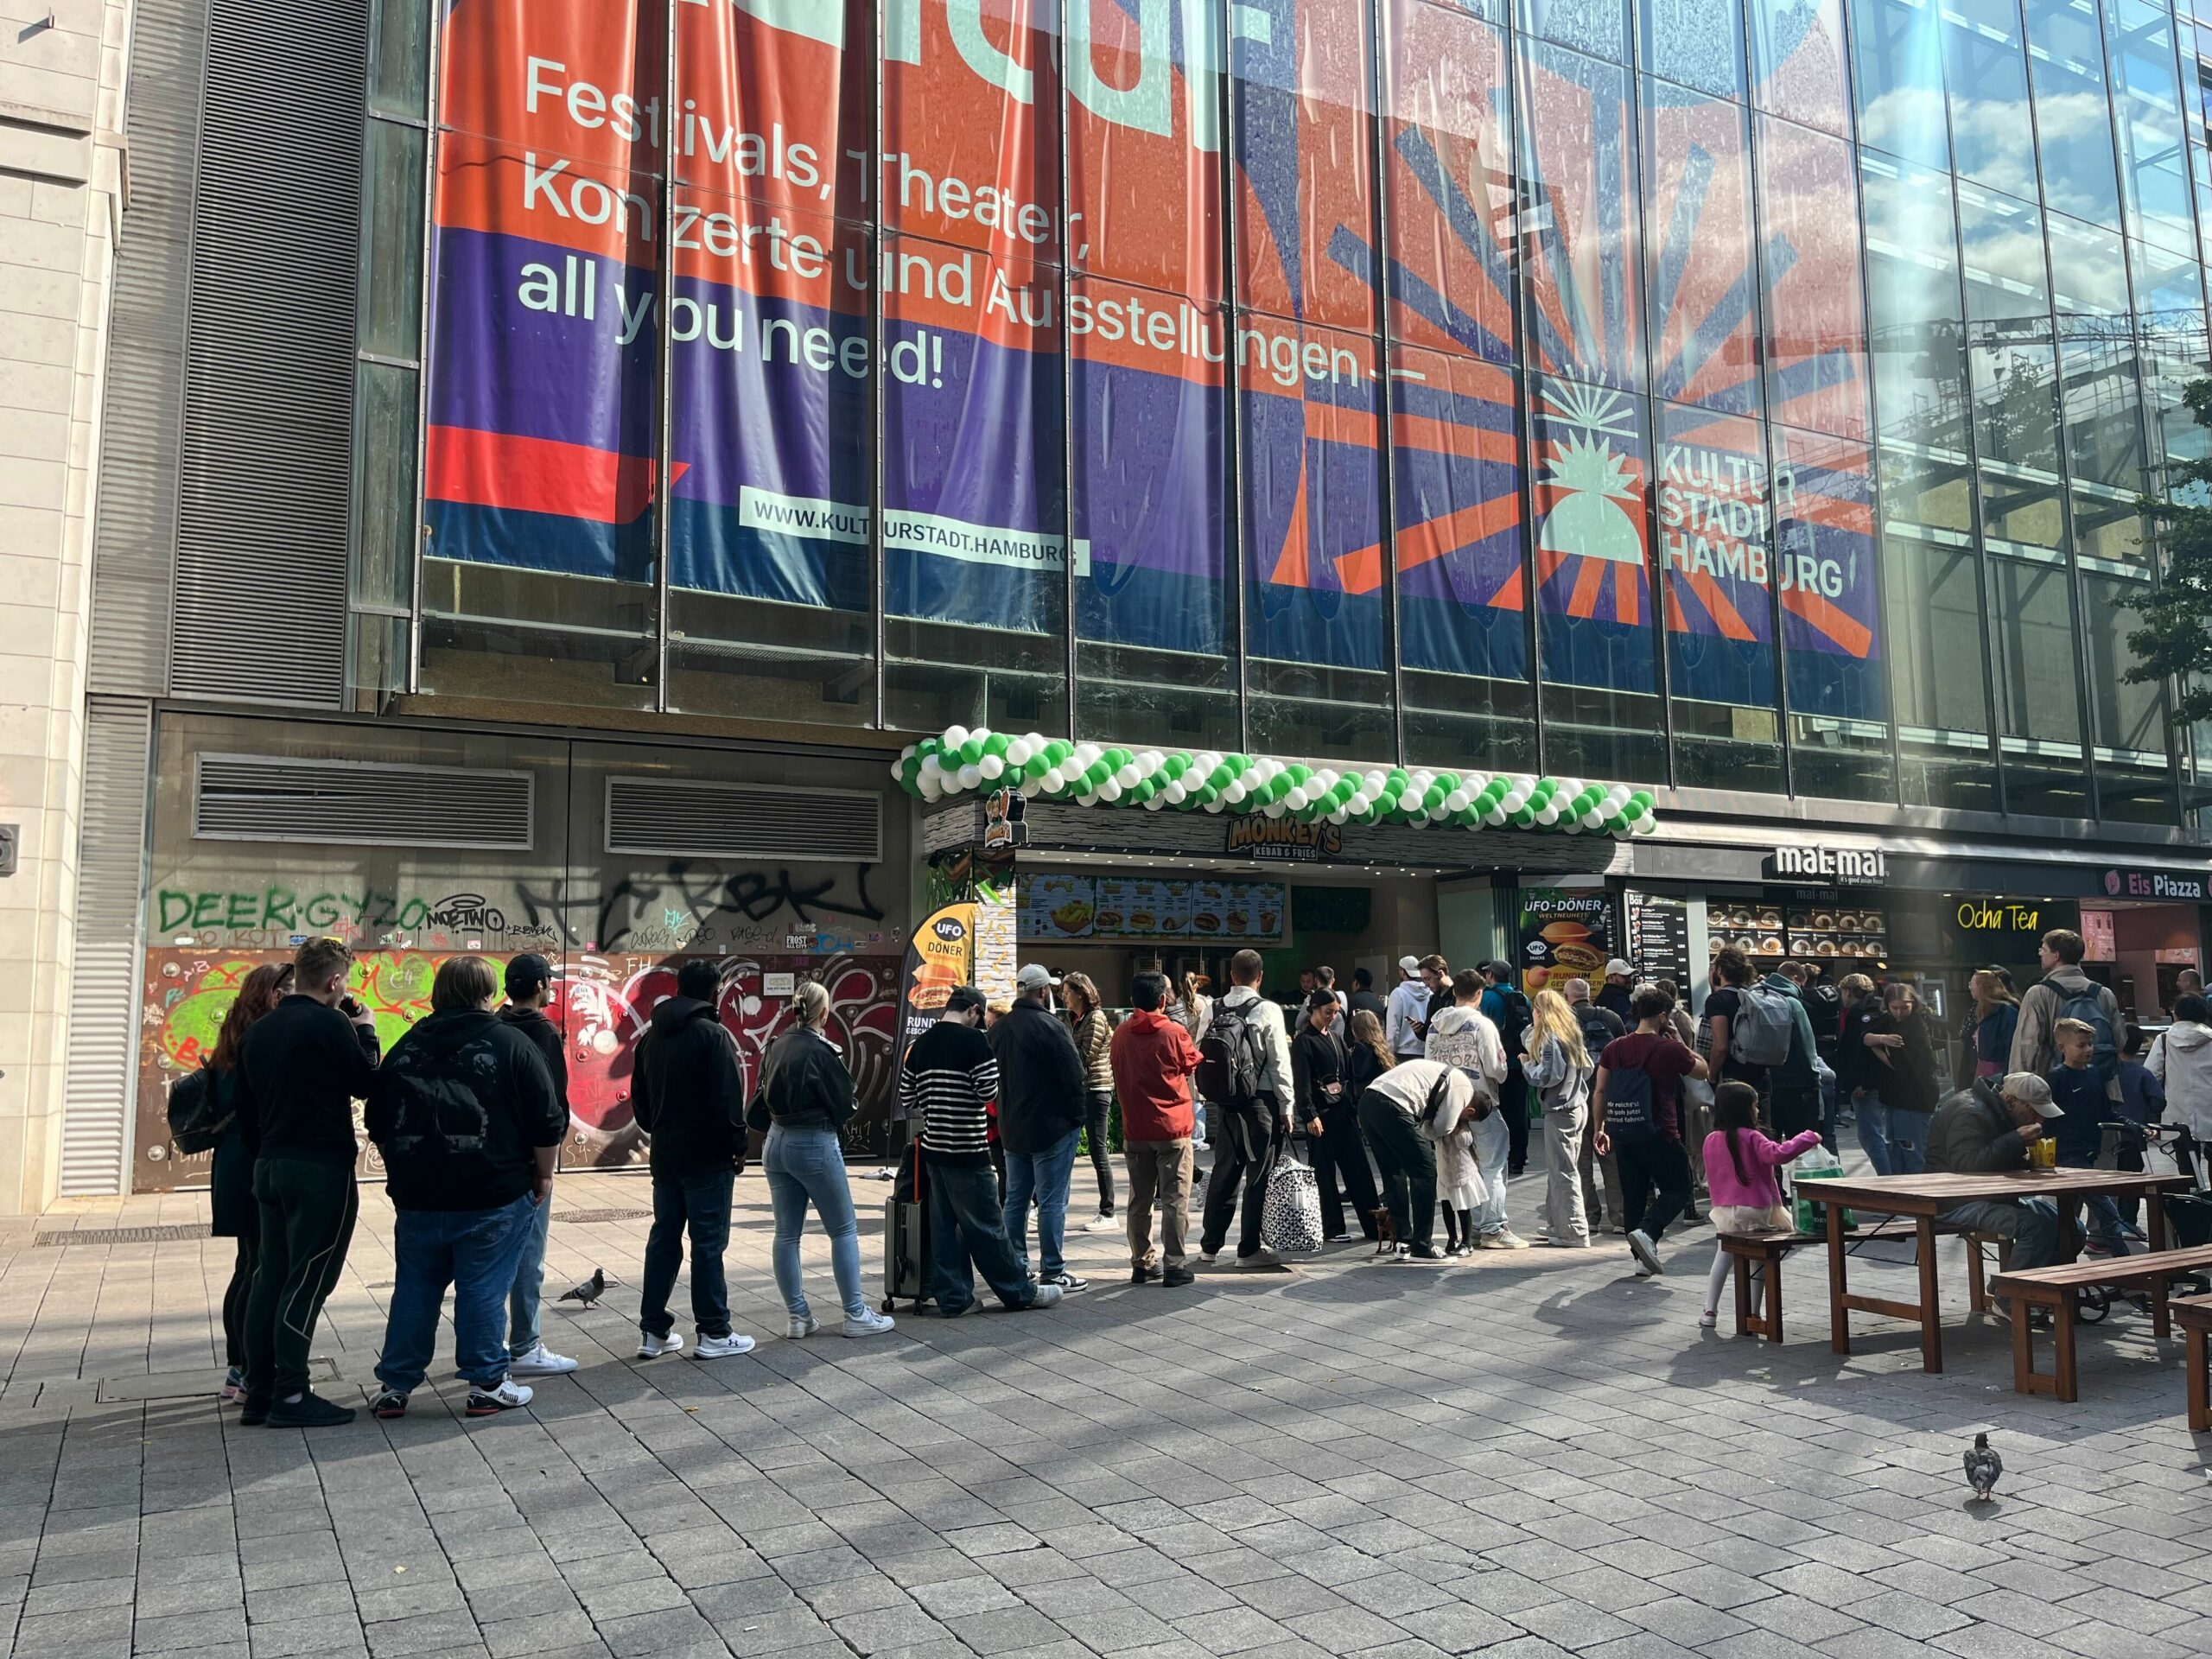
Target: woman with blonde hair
[808,1096]
[1559,1067]
[1094,1039]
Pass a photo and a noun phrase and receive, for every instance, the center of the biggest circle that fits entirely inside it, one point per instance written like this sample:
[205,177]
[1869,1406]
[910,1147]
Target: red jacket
[1154,1059]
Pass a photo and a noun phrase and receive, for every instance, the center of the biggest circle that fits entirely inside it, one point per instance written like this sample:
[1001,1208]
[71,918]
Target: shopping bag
[1290,1217]
[1816,1164]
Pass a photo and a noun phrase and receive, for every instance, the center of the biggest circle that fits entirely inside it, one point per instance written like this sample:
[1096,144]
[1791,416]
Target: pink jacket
[1760,1157]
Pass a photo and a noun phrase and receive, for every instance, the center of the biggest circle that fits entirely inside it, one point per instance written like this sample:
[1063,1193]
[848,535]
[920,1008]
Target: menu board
[1138,910]
[1762,929]
[1658,941]
[1564,935]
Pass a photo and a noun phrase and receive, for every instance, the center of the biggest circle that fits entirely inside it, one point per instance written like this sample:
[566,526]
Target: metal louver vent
[685,819]
[359,803]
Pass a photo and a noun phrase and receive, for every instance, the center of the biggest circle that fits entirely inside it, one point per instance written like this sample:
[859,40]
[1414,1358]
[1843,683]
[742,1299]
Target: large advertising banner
[1579,150]
[1703,298]
[1591,456]
[1716,532]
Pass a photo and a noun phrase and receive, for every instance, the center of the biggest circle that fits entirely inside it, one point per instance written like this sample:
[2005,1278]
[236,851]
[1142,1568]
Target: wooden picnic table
[1924,1197]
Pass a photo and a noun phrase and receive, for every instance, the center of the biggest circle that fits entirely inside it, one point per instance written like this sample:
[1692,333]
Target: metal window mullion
[433,141]
[1232,424]
[1067,384]
[1759,347]
[1523,402]
[1654,570]
[871,198]
[664,361]
[1386,401]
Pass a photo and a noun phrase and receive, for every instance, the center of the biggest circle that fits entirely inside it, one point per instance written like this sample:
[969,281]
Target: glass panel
[1798,61]
[1582,274]
[2135,794]
[2169,296]
[384,561]
[1934,608]
[1987,73]
[2073,120]
[2089,279]
[776,111]
[1696,43]
[399,47]
[2153,172]
[1716,547]
[541,466]
[1926,491]
[580,81]
[1831,617]
[1600,675]
[1598,27]
[1462,592]
[975,573]
[1897,45]
[2104,440]
[2108,526]
[2038,703]
[1156,642]
[392,243]
[2168,369]
[1302,138]
[770,601]
[1817,326]
[1451,167]
[1144,159]
[2016,440]
[1319,675]
[2001,239]
[1703,298]
[971,125]
[1912,282]
[2123,717]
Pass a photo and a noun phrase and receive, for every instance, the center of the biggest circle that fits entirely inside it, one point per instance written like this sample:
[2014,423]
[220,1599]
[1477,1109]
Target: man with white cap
[1985,1130]
[1409,1011]
[1617,993]
[1041,1111]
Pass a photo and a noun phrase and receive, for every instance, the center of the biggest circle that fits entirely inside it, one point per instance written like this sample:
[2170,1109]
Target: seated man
[1984,1130]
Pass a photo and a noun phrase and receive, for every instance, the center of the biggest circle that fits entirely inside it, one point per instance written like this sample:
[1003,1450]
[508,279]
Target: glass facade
[1746,395]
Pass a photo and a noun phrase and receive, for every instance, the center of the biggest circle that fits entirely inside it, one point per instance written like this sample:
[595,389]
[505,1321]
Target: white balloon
[970,776]
[1174,792]
[1339,815]
[1032,788]
[1216,805]
[1548,813]
[954,736]
[1493,816]
[932,765]
[991,766]
[1110,790]
[1273,809]
[1236,792]
[1018,751]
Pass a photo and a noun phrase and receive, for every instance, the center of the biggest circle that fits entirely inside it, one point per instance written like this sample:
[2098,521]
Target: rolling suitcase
[905,1234]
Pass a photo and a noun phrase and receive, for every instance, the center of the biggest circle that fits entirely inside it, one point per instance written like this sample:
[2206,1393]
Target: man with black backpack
[1636,1105]
[1244,1068]
[1601,1177]
[2065,992]
[1506,1009]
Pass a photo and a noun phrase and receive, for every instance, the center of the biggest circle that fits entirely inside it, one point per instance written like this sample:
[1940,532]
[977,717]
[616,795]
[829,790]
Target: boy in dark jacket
[530,987]
[300,1070]
[2080,1091]
[465,1114]
[1041,1109]
[689,1096]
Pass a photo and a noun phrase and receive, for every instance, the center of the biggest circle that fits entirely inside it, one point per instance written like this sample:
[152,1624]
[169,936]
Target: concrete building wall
[63,190]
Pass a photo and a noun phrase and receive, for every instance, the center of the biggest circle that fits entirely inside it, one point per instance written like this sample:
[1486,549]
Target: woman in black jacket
[1321,1068]
[808,1096]
[1905,1059]
[236,1213]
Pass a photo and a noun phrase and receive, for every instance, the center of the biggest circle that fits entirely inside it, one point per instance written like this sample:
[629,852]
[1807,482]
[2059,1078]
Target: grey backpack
[1760,1033]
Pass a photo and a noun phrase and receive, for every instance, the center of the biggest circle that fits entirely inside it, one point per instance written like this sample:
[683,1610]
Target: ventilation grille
[172,1232]
[266,465]
[134,555]
[685,819]
[364,804]
[98,1094]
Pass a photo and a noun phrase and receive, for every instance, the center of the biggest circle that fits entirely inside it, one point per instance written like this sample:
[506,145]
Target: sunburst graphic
[1586,518]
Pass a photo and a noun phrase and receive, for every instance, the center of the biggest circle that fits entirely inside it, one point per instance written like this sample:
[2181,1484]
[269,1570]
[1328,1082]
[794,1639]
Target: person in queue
[1321,1064]
[1042,1109]
[1639,1091]
[1153,1060]
[1601,1177]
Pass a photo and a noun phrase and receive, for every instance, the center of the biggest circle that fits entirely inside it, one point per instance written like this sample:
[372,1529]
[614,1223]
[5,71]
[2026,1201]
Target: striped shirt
[951,1077]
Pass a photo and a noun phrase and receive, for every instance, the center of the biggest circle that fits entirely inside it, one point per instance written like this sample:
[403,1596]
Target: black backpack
[1513,1025]
[1233,1055]
[1631,1106]
[198,1114]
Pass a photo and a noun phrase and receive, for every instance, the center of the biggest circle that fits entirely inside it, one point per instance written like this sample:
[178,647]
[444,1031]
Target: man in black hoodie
[1041,1114]
[300,1070]
[465,1115]
[689,1096]
[530,987]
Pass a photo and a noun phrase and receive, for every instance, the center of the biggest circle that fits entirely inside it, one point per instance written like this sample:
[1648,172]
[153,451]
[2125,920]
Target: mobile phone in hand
[351,1006]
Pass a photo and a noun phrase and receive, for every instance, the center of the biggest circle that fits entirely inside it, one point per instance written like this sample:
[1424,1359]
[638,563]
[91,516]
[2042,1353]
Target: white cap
[1408,966]
[1034,976]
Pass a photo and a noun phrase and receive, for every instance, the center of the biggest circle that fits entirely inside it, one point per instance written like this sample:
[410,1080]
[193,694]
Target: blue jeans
[1043,1177]
[529,1281]
[2031,1224]
[967,1235]
[804,1165]
[1828,1113]
[473,1250]
[1908,1141]
[1493,1146]
[1873,1129]
[2104,1222]
[697,1201]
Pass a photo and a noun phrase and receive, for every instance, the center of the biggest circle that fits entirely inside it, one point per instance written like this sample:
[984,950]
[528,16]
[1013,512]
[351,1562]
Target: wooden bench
[2054,1287]
[1766,1250]
[2194,1315]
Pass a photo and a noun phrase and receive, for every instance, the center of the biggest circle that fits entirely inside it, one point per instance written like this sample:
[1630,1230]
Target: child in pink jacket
[1739,1165]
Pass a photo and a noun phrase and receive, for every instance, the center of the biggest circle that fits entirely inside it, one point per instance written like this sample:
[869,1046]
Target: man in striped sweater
[950,1078]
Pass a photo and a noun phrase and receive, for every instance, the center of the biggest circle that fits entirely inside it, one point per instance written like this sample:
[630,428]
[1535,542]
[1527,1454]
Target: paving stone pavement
[1526,1455]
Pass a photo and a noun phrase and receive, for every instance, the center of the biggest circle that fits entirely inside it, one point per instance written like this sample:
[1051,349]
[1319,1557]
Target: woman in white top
[1192,1010]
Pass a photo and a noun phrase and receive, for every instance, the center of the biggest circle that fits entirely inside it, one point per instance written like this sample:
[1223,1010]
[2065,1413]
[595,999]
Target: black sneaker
[1176,1278]
[1068,1282]
[310,1410]
[252,1413]
[1421,1253]
[388,1404]
[1143,1275]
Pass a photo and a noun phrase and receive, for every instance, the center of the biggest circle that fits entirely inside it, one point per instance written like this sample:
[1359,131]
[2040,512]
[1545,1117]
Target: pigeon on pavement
[590,1291]
[1983,1467]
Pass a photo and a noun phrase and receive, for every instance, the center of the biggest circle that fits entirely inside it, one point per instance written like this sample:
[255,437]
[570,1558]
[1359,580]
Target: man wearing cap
[1985,1130]
[1041,1112]
[1617,995]
[1405,1028]
[530,987]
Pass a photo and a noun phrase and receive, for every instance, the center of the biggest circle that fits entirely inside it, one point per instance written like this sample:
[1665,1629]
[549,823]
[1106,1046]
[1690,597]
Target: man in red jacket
[1154,1059]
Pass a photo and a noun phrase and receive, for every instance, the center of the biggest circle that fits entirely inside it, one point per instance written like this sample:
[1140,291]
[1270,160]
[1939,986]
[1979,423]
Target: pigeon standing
[592,1289]
[1983,1467]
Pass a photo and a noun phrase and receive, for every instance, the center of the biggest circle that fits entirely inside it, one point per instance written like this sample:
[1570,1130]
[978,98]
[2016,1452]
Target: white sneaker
[490,1402]
[650,1347]
[1209,1257]
[722,1347]
[1047,1295]
[869,1324]
[540,1361]
[802,1325]
[1102,1224]
[1647,1257]
[1504,1239]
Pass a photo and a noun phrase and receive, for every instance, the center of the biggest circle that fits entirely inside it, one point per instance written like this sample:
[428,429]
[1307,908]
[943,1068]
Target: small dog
[1386,1236]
